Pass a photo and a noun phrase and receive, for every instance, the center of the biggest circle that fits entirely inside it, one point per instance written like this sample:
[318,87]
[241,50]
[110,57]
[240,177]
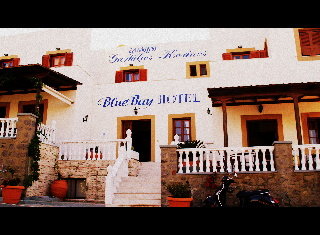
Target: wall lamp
[135,110]
[260,108]
[209,111]
[85,119]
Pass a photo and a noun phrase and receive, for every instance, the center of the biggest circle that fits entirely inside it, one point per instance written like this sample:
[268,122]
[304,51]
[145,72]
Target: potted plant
[59,187]
[11,190]
[180,194]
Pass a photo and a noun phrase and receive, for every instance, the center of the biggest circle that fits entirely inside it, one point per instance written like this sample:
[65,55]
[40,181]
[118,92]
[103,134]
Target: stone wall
[94,173]
[41,187]
[293,189]
[14,151]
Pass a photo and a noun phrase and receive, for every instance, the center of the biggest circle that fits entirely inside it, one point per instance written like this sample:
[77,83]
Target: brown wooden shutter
[143,74]
[262,54]
[16,62]
[305,43]
[227,56]
[254,54]
[69,59]
[315,42]
[46,61]
[119,77]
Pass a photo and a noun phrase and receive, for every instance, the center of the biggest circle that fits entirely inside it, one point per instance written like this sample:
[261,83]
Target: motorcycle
[254,198]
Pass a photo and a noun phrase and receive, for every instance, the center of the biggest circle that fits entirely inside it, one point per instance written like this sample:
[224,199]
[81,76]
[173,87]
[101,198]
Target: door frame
[152,118]
[245,118]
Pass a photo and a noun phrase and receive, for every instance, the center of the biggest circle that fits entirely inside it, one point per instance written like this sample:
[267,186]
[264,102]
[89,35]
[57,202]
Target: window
[9,63]
[309,42]
[314,130]
[57,58]
[4,109]
[182,127]
[131,75]
[198,69]
[29,107]
[245,53]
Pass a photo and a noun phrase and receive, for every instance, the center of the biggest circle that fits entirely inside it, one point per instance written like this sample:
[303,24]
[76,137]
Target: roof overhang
[265,94]
[15,80]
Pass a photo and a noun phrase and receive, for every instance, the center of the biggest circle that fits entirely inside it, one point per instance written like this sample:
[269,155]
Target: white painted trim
[57,94]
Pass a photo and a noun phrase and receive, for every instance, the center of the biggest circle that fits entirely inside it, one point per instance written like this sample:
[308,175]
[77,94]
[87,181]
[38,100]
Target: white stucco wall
[166,76]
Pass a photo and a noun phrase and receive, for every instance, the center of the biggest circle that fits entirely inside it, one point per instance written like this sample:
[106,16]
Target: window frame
[300,57]
[192,118]
[7,106]
[182,134]
[60,56]
[198,65]
[33,102]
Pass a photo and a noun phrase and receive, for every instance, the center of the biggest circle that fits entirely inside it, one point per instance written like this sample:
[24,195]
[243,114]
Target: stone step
[138,184]
[126,202]
[139,190]
[134,196]
[145,180]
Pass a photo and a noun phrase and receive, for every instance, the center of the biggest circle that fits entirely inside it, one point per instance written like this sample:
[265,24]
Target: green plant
[179,189]
[10,181]
[191,144]
[34,146]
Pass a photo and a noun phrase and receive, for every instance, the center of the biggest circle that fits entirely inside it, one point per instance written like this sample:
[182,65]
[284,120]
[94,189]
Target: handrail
[226,159]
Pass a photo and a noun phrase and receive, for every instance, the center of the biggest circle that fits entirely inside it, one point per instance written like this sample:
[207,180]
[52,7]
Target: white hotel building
[155,89]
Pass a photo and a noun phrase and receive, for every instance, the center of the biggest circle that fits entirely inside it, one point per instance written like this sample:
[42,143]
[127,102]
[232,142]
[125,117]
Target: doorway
[262,132]
[141,137]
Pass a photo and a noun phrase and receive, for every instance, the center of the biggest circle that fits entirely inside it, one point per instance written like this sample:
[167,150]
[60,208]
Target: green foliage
[11,181]
[34,146]
[191,144]
[179,190]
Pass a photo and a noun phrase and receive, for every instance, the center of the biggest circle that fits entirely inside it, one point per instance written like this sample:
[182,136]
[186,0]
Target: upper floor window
[245,53]
[9,61]
[309,41]
[57,58]
[131,74]
[198,69]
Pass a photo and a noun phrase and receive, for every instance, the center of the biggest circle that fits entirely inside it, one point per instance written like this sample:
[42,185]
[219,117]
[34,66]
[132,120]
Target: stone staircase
[143,190]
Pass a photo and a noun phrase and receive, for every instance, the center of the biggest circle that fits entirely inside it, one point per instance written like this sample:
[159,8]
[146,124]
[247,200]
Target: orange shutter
[143,74]
[254,54]
[119,77]
[262,53]
[227,56]
[315,42]
[16,62]
[305,43]
[46,61]
[69,59]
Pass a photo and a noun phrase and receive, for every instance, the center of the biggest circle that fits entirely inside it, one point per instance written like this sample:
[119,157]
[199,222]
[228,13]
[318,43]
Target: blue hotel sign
[145,54]
[138,100]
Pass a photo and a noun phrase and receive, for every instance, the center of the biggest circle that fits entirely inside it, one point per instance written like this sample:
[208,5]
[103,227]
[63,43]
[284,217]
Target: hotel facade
[240,88]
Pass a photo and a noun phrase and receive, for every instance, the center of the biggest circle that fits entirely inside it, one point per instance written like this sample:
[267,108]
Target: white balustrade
[306,157]
[8,127]
[47,133]
[226,159]
[119,170]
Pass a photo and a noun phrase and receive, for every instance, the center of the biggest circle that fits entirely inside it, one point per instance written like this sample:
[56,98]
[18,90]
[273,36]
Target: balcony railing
[47,133]
[227,159]
[8,127]
[306,157]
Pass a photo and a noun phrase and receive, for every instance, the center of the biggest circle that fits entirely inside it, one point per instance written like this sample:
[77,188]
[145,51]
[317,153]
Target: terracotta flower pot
[179,202]
[12,194]
[59,188]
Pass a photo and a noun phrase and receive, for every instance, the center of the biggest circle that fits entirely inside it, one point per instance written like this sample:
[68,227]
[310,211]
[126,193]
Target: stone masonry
[292,188]
[14,151]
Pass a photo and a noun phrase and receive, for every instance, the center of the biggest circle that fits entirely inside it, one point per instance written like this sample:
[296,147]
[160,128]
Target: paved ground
[49,202]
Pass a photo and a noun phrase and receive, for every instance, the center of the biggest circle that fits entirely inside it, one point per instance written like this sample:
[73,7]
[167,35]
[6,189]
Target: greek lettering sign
[151,53]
